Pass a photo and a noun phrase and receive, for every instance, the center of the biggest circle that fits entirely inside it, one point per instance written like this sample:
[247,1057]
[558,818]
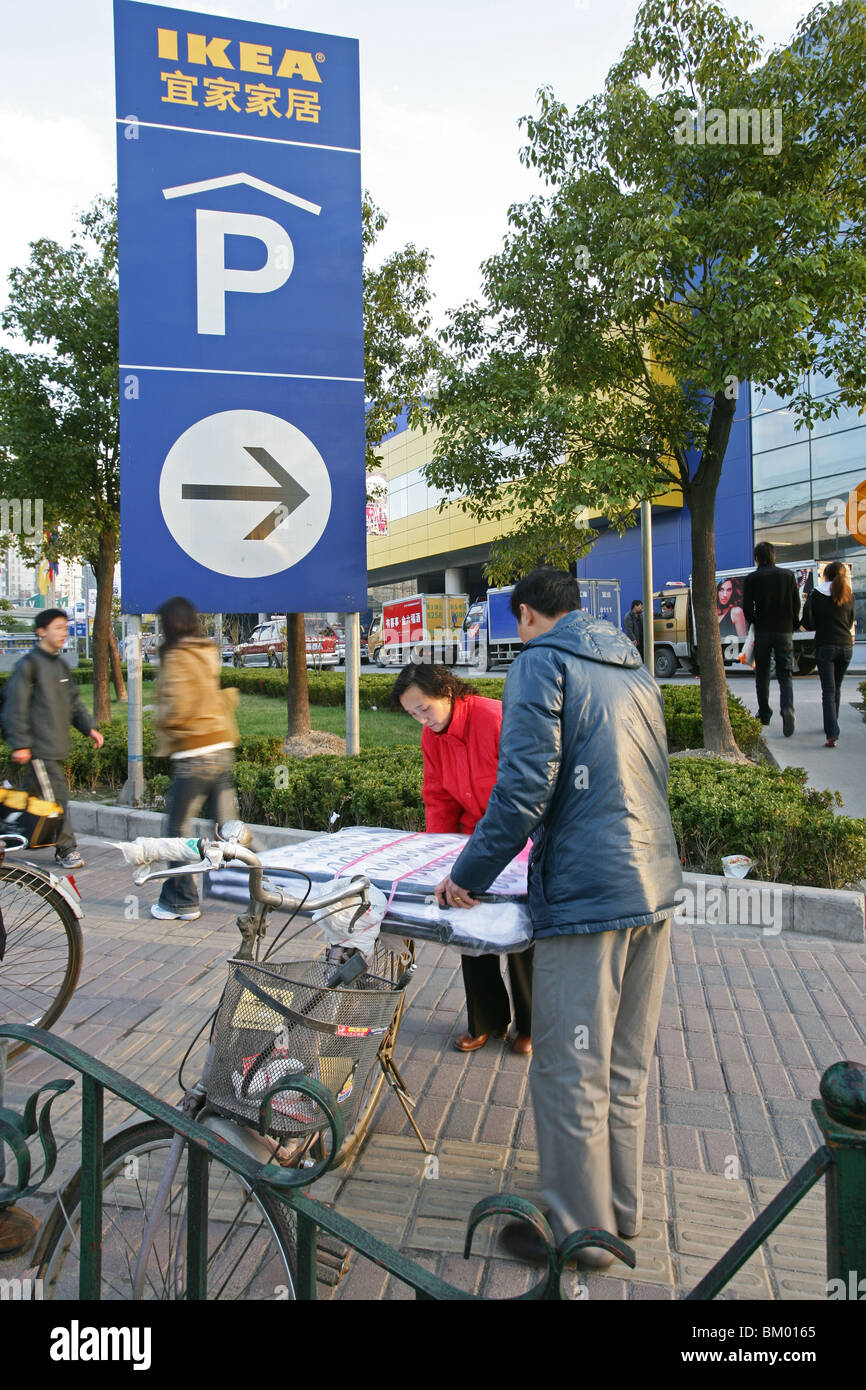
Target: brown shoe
[521,1043]
[18,1231]
[469,1044]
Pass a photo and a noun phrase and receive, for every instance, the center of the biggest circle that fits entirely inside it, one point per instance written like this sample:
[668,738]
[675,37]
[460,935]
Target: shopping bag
[747,655]
[38,818]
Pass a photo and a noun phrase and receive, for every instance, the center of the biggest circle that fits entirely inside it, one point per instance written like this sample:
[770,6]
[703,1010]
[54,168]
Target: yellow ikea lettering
[166,40]
[255,57]
[201,50]
[296,64]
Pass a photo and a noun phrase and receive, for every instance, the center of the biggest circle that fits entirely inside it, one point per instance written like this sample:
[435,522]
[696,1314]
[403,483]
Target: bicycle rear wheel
[43,951]
[251,1237]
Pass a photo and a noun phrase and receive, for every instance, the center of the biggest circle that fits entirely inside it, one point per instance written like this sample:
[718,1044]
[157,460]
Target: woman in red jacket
[460,744]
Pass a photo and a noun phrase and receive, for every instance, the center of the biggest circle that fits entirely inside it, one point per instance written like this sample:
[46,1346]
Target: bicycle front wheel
[41,958]
[251,1238]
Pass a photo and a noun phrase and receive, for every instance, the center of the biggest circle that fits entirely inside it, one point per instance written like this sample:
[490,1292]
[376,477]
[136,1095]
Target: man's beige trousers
[596,1000]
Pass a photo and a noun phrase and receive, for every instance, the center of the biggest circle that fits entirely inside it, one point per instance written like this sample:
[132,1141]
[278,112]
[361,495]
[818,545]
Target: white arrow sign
[245,493]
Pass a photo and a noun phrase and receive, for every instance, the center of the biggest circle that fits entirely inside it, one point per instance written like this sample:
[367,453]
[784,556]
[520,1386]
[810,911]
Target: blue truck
[489,635]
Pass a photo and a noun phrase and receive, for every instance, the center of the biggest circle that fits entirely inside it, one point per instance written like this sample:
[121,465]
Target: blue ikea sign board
[241,316]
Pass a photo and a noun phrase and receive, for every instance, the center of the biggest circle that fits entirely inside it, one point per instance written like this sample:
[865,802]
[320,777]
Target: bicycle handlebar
[213,854]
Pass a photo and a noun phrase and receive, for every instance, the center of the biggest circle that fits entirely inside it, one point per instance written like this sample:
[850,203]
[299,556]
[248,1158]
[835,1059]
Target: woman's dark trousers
[832,665]
[487,1001]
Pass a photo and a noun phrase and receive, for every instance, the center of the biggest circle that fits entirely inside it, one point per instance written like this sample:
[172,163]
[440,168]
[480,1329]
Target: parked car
[267,647]
[228,653]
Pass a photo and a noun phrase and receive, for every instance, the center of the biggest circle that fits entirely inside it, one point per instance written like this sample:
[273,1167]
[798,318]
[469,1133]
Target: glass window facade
[801,481]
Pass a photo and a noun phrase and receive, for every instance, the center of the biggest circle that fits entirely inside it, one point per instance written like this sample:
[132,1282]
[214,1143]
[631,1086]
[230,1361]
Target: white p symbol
[215,280]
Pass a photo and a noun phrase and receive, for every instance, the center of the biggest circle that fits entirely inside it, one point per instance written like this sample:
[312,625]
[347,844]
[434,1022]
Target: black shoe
[787,722]
[765,719]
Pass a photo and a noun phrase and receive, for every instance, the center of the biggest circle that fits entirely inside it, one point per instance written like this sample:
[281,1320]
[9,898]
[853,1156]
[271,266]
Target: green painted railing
[840,1113]
[283,1183]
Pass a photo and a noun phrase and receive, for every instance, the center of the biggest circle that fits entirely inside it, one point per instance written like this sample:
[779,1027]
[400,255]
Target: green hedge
[329,687]
[685,726]
[717,808]
[789,830]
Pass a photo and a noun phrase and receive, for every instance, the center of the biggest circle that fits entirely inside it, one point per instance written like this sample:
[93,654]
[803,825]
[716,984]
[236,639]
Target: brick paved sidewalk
[748,1025]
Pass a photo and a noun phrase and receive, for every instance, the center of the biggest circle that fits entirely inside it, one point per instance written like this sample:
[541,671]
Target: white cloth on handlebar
[148,850]
[335,922]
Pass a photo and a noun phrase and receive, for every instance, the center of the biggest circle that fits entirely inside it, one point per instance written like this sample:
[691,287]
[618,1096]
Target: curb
[124,823]
[774,907]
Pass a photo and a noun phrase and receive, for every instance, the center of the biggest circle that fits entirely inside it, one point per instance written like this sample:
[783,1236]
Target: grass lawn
[258,714]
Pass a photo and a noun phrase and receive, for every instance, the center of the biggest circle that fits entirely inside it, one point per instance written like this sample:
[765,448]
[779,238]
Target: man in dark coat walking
[771,600]
[583,768]
[42,701]
[632,623]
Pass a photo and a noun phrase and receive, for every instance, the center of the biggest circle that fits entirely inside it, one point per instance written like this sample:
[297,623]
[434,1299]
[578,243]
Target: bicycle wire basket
[278,1020]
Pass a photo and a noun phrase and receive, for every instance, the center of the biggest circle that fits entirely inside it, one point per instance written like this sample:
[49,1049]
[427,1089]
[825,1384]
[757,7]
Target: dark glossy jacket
[583,768]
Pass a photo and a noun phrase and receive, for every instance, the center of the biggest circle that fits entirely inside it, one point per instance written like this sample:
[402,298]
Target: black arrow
[288,494]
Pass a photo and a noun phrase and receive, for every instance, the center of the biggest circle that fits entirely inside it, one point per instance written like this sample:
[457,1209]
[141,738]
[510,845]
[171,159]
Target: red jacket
[460,765]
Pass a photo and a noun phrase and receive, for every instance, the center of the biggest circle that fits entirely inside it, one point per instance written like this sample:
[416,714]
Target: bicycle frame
[195,1098]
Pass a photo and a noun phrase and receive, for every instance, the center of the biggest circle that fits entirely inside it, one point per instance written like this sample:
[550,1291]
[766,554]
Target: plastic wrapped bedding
[406,867]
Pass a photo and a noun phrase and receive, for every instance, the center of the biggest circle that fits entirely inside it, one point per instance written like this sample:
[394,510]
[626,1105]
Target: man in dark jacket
[42,701]
[583,767]
[771,600]
[632,624]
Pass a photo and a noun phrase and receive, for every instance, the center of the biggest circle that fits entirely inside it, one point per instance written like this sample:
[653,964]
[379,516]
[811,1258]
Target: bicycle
[251,1235]
[41,945]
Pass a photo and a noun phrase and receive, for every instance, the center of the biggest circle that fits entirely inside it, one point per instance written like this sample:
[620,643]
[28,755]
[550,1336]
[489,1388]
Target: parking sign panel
[241,319]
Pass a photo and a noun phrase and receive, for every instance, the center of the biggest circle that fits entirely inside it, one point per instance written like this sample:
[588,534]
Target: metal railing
[840,1113]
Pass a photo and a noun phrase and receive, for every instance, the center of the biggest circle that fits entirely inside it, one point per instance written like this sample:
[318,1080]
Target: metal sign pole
[646,548]
[353,674]
[135,741]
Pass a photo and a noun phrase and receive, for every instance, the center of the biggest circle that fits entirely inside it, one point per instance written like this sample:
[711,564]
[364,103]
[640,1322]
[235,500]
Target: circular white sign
[245,493]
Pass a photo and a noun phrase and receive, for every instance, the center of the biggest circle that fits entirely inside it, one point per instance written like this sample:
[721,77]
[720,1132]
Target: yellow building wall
[427,532]
[435,532]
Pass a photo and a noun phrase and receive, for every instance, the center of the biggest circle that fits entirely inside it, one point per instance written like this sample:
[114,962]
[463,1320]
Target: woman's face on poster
[724,593]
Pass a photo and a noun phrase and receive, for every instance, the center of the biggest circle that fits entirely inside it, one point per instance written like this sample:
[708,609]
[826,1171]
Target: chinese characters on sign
[248,98]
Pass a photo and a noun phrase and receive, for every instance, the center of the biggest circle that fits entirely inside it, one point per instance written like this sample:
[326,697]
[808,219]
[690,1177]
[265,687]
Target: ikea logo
[236,55]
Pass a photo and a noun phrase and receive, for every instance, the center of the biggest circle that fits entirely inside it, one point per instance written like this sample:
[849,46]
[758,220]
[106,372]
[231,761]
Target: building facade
[778,483]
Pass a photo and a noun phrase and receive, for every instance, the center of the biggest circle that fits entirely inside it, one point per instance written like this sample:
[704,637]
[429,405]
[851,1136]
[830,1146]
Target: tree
[672,257]
[59,408]
[399,358]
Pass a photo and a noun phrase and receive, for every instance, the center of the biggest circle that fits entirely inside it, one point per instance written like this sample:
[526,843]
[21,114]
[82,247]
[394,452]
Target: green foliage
[59,401]
[684,721]
[790,831]
[601,364]
[862,688]
[399,353]
[717,807]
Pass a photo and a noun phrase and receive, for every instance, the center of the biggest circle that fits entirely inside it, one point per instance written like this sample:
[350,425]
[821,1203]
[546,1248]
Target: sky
[442,89]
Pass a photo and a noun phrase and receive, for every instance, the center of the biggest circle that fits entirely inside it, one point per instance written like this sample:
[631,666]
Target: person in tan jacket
[196,730]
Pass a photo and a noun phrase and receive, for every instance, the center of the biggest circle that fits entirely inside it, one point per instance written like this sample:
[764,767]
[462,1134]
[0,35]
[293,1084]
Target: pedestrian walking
[771,600]
[583,768]
[196,730]
[42,702]
[829,610]
[460,747]
[632,624]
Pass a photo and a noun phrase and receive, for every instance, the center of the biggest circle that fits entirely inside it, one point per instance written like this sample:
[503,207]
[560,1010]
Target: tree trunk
[298,697]
[104,570]
[701,501]
[116,672]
